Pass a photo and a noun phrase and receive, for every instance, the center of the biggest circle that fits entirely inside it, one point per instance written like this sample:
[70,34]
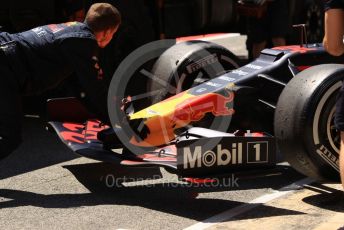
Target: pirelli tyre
[304,122]
[159,70]
[188,64]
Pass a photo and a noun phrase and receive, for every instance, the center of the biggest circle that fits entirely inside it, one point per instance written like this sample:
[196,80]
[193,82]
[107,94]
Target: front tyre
[304,122]
[189,64]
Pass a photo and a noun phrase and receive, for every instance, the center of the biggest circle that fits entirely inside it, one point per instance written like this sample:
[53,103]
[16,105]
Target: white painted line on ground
[231,213]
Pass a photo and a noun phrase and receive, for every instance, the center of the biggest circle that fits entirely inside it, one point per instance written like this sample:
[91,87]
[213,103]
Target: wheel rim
[332,133]
[324,135]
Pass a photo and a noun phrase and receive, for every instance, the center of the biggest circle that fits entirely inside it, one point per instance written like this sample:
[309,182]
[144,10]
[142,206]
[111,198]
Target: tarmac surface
[45,186]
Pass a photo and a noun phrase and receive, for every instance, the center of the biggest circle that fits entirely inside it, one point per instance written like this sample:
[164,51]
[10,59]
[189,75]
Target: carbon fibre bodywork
[248,94]
[244,98]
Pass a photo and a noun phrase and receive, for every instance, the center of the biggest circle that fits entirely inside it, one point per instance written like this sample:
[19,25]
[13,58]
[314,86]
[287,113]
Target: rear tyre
[304,122]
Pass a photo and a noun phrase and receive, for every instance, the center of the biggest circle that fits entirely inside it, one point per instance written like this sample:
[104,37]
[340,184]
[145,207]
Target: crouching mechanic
[333,43]
[39,59]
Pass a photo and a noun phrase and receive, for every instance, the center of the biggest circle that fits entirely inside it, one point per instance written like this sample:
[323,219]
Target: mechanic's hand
[126,103]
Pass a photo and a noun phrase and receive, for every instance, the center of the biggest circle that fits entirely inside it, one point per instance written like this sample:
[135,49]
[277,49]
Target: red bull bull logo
[194,109]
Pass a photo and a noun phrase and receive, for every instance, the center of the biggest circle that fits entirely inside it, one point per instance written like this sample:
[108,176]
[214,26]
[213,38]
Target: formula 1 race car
[197,113]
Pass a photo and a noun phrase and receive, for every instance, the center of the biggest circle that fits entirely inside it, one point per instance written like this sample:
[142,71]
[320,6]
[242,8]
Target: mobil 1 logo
[225,154]
[257,152]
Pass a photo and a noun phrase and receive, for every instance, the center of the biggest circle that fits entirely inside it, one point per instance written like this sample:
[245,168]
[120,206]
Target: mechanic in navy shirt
[333,43]
[39,59]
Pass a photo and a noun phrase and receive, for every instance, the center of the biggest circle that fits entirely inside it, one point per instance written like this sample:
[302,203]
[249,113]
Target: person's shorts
[333,4]
[275,24]
[339,116]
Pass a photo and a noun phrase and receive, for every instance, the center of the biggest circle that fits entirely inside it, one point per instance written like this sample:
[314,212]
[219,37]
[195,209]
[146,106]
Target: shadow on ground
[39,149]
[165,195]
[327,198]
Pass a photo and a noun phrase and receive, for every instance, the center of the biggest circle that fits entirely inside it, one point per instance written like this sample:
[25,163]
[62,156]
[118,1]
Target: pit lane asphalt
[45,186]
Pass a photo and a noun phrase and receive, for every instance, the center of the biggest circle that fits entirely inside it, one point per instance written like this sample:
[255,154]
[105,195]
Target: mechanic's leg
[10,114]
[341,158]
[257,34]
[278,22]
[10,136]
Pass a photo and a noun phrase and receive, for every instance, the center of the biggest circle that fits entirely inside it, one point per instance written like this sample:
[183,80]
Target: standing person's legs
[10,111]
[257,34]
[278,20]
[341,157]
[339,123]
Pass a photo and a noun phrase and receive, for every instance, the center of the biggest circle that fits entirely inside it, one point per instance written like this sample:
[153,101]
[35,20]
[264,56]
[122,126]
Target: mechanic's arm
[334,31]
[81,53]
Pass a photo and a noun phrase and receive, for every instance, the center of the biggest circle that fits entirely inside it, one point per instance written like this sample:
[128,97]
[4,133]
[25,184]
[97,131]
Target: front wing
[190,155]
